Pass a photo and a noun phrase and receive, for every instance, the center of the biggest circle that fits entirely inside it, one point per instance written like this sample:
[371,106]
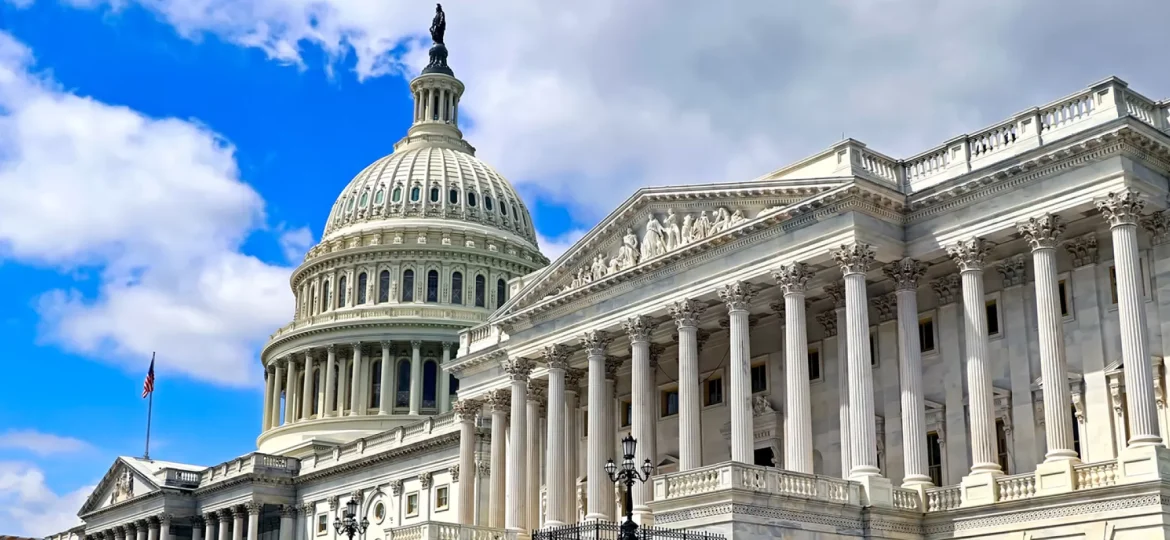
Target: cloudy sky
[164,163]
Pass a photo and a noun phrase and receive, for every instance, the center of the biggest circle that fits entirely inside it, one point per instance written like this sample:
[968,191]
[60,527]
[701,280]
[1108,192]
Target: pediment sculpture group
[659,238]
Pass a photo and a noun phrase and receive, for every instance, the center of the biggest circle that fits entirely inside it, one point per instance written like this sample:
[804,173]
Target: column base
[1056,476]
[979,488]
[1143,463]
[876,491]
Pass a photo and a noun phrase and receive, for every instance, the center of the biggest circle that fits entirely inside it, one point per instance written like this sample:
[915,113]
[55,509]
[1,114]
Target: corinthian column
[906,274]
[515,510]
[355,382]
[290,386]
[499,402]
[572,456]
[386,394]
[737,296]
[834,325]
[798,451]
[466,411]
[269,384]
[970,256]
[686,315]
[1043,234]
[537,393]
[1122,211]
[307,388]
[274,408]
[609,432]
[642,388]
[415,377]
[330,406]
[557,357]
[854,261]
[594,343]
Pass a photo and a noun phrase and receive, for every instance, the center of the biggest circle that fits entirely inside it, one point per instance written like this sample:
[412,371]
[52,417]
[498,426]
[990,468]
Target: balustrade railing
[1017,487]
[770,480]
[943,498]
[435,530]
[604,530]
[1096,475]
[907,499]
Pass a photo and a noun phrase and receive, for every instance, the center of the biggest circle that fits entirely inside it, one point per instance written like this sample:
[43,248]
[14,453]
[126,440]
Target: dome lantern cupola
[436,94]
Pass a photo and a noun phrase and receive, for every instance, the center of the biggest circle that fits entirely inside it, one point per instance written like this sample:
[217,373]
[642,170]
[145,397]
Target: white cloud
[295,243]
[584,102]
[29,508]
[553,247]
[41,444]
[154,207]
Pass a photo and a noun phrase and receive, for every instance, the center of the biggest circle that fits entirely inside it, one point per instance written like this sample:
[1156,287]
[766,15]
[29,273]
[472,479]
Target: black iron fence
[604,530]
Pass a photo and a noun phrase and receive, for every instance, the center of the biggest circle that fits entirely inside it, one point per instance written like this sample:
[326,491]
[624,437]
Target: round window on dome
[487,202]
[434,194]
[396,195]
[453,196]
[415,193]
[471,198]
[365,199]
[379,196]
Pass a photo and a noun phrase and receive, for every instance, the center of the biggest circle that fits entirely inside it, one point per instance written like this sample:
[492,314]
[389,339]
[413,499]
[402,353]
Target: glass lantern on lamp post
[629,475]
[347,524]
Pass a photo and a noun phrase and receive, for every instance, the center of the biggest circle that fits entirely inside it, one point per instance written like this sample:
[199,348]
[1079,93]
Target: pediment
[659,225]
[122,482]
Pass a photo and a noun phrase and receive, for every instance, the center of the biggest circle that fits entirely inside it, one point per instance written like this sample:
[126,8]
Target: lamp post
[629,475]
[347,524]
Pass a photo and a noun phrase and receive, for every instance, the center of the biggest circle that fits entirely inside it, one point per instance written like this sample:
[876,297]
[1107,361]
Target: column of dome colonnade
[293,391]
[906,273]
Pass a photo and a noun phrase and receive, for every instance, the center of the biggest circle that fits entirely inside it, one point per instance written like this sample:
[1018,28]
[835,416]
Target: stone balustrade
[251,463]
[1017,487]
[434,530]
[768,480]
[945,498]
[1096,475]
[471,315]
[907,499]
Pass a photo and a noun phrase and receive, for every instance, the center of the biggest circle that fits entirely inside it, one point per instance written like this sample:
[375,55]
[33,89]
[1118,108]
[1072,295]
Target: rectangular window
[412,505]
[442,498]
[714,391]
[814,365]
[627,413]
[669,402]
[1076,433]
[1113,284]
[322,523]
[1062,293]
[992,318]
[926,334]
[1001,446]
[759,378]
[934,458]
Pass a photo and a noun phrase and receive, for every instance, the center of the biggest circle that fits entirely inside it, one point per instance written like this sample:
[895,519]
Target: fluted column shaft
[253,522]
[209,526]
[686,316]
[416,377]
[798,452]
[140,531]
[854,261]
[595,475]
[532,456]
[307,388]
[274,408]
[516,504]
[269,385]
[642,388]
[843,388]
[906,274]
[152,530]
[225,520]
[496,486]
[386,394]
[355,382]
[288,523]
[569,504]
[555,462]
[289,394]
[737,296]
[969,255]
[466,413]
[330,406]
[444,380]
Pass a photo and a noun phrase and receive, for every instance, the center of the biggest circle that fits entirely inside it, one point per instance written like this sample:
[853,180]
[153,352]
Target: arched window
[361,288]
[453,196]
[408,286]
[503,208]
[457,288]
[341,292]
[433,286]
[325,297]
[402,394]
[313,300]
[379,196]
[317,392]
[487,202]
[396,195]
[430,389]
[435,194]
[415,193]
[501,293]
[349,206]
[376,383]
[515,213]
[480,285]
[471,199]
[365,198]
[384,286]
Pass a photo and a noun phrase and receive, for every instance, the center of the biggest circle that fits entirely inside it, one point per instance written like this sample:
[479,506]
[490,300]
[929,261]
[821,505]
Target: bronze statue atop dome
[438,53]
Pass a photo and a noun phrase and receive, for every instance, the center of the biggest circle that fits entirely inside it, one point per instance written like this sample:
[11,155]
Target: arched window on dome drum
[325,296]
[402,393]
[376,384]
[501,293]
[471,199]
[487,202]
[408,286]
[453,196]
[396,195]
[341,291]
[433,286]
[480,285]
[434,194]
[384,286]
[312,300]
[361,289]
[430,389]
[457,288]
[415,193]
[379,196]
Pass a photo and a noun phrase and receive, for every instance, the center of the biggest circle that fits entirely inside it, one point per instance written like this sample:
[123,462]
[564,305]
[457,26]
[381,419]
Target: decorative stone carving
[905,274]
[1158,225]
[1041,232]
[573,377]
[454,472]
[828,321]
[761,405]
[1082,249]
[333,500]
[594,342]
[197,522]
[500,400]
[638,328]
[946,288]
[792,278]
[253,508]
[466,409]
[396,487]
[969,254]
[777,307]
[687,312]
[886,306]
[123,487]
[1013,270]
[656,350]
[836,291]
[736,295]
[612,364]
[290,510]
[538,390]
[854,258]
[426,480]
[484,469]
[1122,208]
[518,369]
[701,337]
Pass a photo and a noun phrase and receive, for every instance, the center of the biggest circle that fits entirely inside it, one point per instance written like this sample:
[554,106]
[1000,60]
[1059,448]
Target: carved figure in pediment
[614,266]
[123,487]
[688,226]
[599,267]
[628,255]
[673,234]
[722,222]
[702,227]
[584,276]
[653,242]
[736,218]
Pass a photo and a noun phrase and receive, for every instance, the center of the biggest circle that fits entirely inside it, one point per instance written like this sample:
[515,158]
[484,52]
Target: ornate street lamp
[347,524]
[629,475]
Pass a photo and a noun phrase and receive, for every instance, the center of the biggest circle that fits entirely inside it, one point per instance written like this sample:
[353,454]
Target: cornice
[419,253]
[493,354]
[251,478]
[438,442]
[378,324]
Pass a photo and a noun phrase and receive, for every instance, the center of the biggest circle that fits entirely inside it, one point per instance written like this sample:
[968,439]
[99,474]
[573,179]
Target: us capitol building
[964,343]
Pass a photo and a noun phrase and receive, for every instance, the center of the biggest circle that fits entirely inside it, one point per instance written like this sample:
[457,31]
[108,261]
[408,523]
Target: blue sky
[164,163]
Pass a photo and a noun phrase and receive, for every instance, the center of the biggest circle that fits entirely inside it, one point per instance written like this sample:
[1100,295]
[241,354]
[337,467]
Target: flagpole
[149,410]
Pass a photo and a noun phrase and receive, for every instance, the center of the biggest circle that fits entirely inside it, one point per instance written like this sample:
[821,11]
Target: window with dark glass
[1062,293]
[1076,433]
[430,392]
[433,286]
[764,457]
[415,193]
[325,296]
[627,413]
[313,295]
[396,195]
[402,392]
[992,318]
[376,383]
[316,391]
[584,423]
[503,208]
[480,285]
[814,365]
[669,402]
[365,197]
[1001,445]
[453,383]
[934,458]
[379,196]
[759,378]
[361,289]
[457,288]
[471,199]
[501,293]
[453,196]
[714,392]
[408,286]
[341,292]
[873,356]
[384,286]
[434,194]
[926,334]
[514,212]
[487,202]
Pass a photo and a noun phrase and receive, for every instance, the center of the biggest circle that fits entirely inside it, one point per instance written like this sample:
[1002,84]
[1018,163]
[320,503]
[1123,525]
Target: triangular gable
[122,482]
[656,225]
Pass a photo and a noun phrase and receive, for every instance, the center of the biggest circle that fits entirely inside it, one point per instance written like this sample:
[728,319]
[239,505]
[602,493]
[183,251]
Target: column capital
[253,508]
[500,400]
[736,295]
[308,355]
[905,273]
[969,254]
[454,472]
[518,369]
[426,480]
[886,306]
[396,487]
[1013,270]
[595,342]
[777,307]
[357,496]
[289,511]
[386,344]
[556,356]
[269,369]
[573,378]
[686,313]
[415,344]
[854,258]
[1082,249]
[638,328]
[331,348]
[446,346]
[308,509]
[334,502]
[466,409]
[223,514]
[483,468]
[197,520]
[612,364]
[701,338]
[1121,208]
[792,278]
[1042,232]
[537,390]
[828,321]
[1158,225]
[945,288]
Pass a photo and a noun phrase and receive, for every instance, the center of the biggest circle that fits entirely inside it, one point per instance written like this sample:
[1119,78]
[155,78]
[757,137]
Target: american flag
[148,384]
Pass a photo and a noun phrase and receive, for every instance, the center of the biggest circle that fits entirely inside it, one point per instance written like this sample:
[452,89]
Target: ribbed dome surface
[429,182]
